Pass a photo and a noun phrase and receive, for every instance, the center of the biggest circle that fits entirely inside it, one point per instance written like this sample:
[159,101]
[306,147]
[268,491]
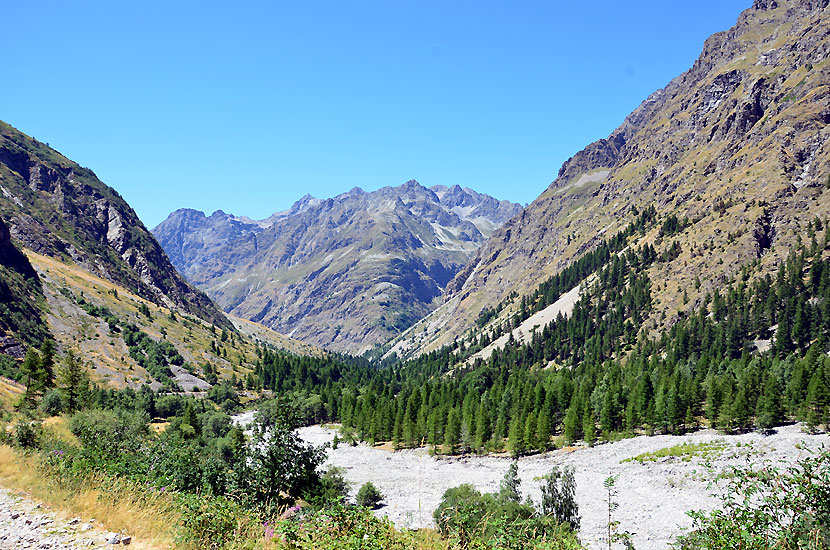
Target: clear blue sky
[246,106]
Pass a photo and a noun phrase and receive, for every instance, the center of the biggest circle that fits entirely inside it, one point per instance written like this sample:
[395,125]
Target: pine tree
[818,400]
[530,432]
[74,381]
[543,430]
[515,438]
[740,410]
[573,422]
[33,376]
[589,427]
[47,362]
[770,412]
[452,435]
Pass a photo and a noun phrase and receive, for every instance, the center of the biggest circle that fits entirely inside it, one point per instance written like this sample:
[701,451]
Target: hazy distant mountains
[347,272]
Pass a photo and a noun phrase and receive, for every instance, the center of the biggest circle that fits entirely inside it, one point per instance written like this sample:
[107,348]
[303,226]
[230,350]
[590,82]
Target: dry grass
[118,506]
[57,427]
[10,394]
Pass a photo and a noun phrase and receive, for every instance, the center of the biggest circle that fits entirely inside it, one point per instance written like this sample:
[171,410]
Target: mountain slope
[57,208]
[738,145]
[21,299]
[345,273]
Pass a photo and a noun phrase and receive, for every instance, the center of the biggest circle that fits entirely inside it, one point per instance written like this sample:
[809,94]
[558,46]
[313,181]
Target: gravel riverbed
[653,497]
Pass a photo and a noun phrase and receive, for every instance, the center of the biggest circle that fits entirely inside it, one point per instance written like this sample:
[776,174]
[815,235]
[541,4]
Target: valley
[435,368]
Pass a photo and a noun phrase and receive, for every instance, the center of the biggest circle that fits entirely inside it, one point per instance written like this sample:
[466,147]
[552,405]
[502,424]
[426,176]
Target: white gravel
[653,497]
[27,524]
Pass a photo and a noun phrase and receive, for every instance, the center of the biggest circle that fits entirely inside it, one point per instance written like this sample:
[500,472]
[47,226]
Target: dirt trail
[654,497]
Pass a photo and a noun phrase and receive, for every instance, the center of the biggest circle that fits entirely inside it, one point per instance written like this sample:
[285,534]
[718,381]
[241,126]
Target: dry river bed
[653,496]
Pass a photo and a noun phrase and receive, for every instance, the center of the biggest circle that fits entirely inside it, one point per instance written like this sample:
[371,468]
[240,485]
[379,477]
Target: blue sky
[246,106]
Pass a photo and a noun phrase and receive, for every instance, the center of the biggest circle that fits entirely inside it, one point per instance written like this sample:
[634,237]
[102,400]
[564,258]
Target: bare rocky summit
[347,272]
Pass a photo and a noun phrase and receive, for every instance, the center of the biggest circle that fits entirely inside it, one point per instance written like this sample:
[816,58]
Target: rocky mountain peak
[346,272]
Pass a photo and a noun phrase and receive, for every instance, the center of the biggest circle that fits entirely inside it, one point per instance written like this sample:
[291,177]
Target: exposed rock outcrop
[59,209]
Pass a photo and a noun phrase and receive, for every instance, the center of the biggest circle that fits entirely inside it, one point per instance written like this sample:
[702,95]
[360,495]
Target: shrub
[340,528]
[369,496]
[469,518]
[769,508]
[211,522]
[333,488]
[27,434]
[53,402]
[559,497]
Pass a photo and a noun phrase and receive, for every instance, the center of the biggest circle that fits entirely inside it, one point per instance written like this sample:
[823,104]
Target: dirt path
[26,524]
[654,497]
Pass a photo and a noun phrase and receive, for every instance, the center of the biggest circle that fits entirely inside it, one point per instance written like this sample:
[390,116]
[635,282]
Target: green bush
[470,519]
[769,508]
[559,497]
[53,402]
[211,522]
[27,434]
[368,496]
[110,432]
[333,488]
[339,528]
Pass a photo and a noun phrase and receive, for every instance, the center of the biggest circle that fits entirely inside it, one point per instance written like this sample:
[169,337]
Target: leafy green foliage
[338,528]
[369,496]
[559,497]
[470,519]
[769,508]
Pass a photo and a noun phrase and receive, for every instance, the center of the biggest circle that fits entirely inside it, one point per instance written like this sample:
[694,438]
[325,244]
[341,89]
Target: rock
[114,538]
[126,540]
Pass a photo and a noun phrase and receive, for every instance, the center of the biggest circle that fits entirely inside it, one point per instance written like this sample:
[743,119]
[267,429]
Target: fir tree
[452,435]
[589,427]
[770,412]
[515,438]
[818,400]
[573,422]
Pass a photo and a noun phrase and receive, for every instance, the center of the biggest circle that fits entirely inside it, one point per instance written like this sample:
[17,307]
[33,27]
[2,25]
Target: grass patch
[684,451]
[118,505]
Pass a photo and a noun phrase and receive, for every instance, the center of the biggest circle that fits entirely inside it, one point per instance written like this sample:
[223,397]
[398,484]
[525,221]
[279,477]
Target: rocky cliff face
[739,144]
[59,209]
[21,299]
[346,272]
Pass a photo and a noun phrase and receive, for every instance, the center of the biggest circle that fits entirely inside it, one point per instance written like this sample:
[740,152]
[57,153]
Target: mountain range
[347,272]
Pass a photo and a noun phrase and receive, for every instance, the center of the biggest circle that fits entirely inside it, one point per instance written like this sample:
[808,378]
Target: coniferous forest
[596,373]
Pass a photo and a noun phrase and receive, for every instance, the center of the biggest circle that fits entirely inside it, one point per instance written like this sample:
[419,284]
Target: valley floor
[654,496]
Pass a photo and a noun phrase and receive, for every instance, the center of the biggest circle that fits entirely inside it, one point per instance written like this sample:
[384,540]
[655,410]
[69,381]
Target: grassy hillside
[88,315]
